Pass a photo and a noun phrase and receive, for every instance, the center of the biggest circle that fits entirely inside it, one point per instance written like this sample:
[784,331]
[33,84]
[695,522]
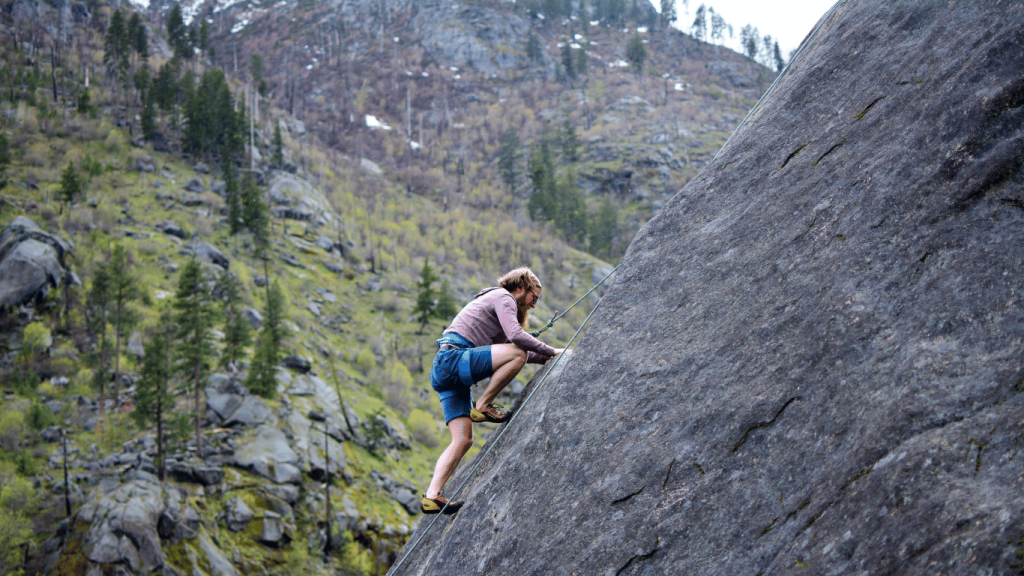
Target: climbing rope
[501,432]
[558,317]
[781,74]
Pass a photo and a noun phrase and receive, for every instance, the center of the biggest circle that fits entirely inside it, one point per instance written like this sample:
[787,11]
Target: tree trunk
[117,356]
[198,362]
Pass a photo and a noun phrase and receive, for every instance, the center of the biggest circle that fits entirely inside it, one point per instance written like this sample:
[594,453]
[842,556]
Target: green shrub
[365,361]
[39,416]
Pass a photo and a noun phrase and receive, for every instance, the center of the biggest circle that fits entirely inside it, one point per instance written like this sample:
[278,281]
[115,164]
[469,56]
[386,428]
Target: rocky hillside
[810,361]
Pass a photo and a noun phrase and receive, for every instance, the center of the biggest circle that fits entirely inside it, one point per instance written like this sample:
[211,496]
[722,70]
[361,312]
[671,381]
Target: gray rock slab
[269,455]
[799,362]
[222,404]
[208,252]
[250,412]
[131,509]
[237,514]
[218,562]
[273,532]
[31,268]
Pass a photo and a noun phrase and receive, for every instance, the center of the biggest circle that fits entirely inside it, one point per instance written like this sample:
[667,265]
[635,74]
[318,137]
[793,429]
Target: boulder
[208,252]
[218,562]
[298,363]
[195,185]
[253,316]
[273,531]
[269,455]
[222,404]
[219,187]
[810,359]
[252,411]
[237,514]
[171,229]
[134,345]
[201,168]
[122,519]
[31,262]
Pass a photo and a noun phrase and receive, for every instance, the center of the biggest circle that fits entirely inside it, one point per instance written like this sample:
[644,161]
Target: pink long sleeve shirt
[490,318]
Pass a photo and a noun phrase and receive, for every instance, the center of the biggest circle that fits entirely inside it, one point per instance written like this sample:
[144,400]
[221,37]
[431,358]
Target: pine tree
[581,60]
[508,160]
[148,118]
[541,203]
[534,49]
[237,334]
[177,33]
[567,60]
[98,304]
[603,228]
[116,42]
[446,308]
[70,184]
[5,160]
[255,214]
[165,86]
[233,198]
[749,38]
[256,68]
[277,156]
[636,53]
[700,24]
[569,141]
[267,355]
[571,214]
[194,317]
[153,396]
[137,37]
[425,299]
[123,290]
[780,62]
[668,13]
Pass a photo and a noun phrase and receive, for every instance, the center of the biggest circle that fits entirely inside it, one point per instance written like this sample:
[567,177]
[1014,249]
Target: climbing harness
[556,318]
[799,49]
[501,432]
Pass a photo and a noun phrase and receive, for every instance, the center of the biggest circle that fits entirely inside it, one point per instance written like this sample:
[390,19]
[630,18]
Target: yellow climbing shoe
[435,505]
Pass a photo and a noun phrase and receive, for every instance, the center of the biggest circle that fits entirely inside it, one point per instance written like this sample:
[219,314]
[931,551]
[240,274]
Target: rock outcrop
[31,262]
[811,360]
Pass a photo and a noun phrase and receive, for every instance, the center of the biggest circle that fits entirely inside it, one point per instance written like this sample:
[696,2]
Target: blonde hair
[519,278]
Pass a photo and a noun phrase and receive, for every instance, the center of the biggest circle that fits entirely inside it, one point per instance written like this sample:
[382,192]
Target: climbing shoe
[434,505]
[489,414]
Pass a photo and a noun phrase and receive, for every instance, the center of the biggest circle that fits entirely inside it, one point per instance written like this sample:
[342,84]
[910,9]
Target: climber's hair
[519,278]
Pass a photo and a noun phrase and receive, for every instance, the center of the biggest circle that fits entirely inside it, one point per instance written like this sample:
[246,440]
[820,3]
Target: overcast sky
[788,22]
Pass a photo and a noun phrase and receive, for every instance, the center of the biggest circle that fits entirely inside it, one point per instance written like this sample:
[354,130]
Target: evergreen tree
[508,160]
[5,160]
[153,396]
[137,37]
[267,355]
[425,299]
[446,308]
[700,24]
[213,125]
[203,36]
[569,141]
[70,184]
[780,62]
[124,289]
[719,27]
[194,317]
[581,60]
[636,53]
[603,229]
[143,82]
[233,198]
[237,334]
[255,214]
[148,118]
[256,68]
[165,86]
[541,203]
[116,47]
[277,156]
[177,33]
[534,49]
[567,60]
[749,38]
[571,208]
[98,304]
[668,13]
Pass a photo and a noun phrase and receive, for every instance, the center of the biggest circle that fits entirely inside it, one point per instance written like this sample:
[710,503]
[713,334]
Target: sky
[788,22]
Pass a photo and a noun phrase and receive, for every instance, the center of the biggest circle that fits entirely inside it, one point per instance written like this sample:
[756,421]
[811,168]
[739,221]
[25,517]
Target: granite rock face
[31,262]
[811,360]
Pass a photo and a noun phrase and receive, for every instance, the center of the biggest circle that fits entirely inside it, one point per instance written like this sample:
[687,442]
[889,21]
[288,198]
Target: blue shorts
[455,370]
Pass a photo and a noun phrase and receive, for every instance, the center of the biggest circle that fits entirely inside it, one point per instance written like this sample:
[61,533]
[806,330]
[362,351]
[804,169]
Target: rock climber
[486,339]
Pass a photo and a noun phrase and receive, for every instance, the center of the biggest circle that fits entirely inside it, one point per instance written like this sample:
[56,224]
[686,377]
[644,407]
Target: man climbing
[487,338]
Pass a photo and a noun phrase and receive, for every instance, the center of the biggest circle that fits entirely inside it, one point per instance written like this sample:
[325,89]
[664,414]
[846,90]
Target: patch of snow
[595,22]
[140,3]
[239,26]
[397,38]
[577,36]
[679,87]
[425,74]
[560,45]
[414,145]
[189,10]
[457,77]
[642,29]
[575,46]
[541,16]
[224,5]
[407,73]
[309,66]
[619,64]
[454,68]
[458,125]
[373,122]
